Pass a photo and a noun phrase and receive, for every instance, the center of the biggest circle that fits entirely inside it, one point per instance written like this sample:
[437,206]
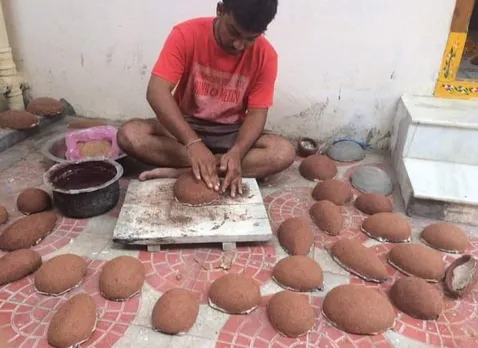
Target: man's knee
[282,152]
[128,134]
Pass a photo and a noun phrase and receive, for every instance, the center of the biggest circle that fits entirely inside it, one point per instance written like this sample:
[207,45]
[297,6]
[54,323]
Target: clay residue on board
[245,196]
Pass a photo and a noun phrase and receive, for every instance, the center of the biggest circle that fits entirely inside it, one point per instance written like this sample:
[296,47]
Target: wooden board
[150,215]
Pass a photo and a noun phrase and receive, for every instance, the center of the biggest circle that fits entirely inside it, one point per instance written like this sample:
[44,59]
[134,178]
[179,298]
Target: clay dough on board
[299,273]
[190,191]
[358,309]
[33,200]
[175,312]
[318,167]
[235,294]
[417,298]
[373,203]
[121,278]
[328,217]
[296,236]
[45,106]
[290,314]
[17,264]
[346,151]
[17,119]
[461,276]
[387,227]
[3,215]
[445,237]
[73,323]
[336,191]
[369,179]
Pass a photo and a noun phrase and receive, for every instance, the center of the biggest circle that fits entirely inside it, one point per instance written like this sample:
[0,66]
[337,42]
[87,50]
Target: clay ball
[3,215]
[73,323]
[417,260]
[358,309]
[45,106]
[17,264]
[290,314]
[461,276]
[417,298]
[235,294]
[33,200]
[175,312]
[28,231]
[296,236]
[373,203]
[359,260]
[299,273]
[328,217]
[318,167]
[60,274]
[335,191]
[121,278]
[387,227]
[445,237]
[190,191]
[17,119]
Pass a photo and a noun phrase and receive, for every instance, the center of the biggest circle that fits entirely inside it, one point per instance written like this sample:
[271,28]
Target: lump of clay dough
[417,298]
[327,217]
[3,215]
[359,260]
[336,191]
[189,190]
[17,264]
[175,312]
[358,309]
[461,276]
[28,231]
[373,203]
[122,278]
[73,323]
[299,273]
[95,148]
[296,236]
[445,237]
[45,106]
[387,227]
[369,179]
[17,119]
[85,123]
[346,151]
[417,260]
[318,167]
[290,314]
[33,200]
[60,274]
[235,294]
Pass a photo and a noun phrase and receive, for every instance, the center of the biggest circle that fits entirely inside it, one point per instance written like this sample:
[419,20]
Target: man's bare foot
[162,173]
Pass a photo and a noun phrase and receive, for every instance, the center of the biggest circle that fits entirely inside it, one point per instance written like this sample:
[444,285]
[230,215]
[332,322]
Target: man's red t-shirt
[214,85]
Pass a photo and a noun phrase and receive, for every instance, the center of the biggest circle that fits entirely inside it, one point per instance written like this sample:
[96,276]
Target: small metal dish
[307,147]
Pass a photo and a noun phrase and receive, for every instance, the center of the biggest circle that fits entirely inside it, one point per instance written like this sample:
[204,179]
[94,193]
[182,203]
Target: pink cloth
[94,133]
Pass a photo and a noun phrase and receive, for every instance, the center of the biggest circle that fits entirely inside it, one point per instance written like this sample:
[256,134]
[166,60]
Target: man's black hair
[252,15]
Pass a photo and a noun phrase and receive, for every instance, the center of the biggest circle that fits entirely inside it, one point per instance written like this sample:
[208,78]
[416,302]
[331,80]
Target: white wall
[343,63]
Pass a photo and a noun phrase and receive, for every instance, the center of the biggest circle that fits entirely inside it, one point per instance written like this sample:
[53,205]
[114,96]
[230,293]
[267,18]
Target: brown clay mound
[28,231]
[235,294]
[445,237]
[33,200]
[121,278]
[373,203]
[296,236]
[328,217]
[60,274]
[417,298]
[299,273]
[417,260]
[190,191]
[335,191]
[318,167]
[461,276]
[358,309]
[175,312]
[17,264]
[73,323]
[387,227]
[45,106]
[17,119]
[95,148]
[86,123]
[359,260]
[3,215]
[290,314]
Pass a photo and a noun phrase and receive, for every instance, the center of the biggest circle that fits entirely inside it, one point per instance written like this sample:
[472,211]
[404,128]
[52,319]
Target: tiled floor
[24,314]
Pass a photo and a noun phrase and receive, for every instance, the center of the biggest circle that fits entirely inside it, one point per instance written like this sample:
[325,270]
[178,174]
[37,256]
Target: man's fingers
[239,185]
[196,171]
[211,169]
[205,176]
[223,165]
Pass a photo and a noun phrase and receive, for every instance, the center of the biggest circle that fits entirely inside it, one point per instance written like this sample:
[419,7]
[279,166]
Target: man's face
[232,38]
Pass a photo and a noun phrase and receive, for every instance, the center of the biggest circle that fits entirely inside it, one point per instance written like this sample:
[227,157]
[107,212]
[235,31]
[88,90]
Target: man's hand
[203,163]
[231,165]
